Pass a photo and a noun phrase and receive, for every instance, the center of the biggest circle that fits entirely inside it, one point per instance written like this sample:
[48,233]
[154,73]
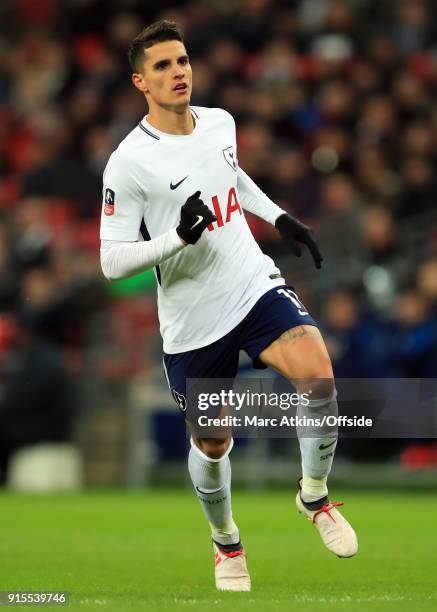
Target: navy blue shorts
[274,313]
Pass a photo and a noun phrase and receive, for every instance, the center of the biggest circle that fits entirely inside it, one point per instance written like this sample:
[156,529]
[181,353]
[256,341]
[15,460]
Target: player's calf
[211,477]
[212,482]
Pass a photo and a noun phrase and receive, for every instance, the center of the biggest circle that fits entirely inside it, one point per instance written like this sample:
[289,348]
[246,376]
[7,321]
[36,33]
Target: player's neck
[180,124]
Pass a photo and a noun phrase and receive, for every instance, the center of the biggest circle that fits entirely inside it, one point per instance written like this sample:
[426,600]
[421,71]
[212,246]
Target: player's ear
[139,82]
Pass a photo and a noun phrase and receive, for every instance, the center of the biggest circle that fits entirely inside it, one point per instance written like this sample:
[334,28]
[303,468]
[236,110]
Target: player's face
[166,78]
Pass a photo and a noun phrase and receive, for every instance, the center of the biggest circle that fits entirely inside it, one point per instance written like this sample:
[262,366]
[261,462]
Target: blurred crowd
[337,121]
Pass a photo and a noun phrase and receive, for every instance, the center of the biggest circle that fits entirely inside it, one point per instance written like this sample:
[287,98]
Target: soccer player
[173,200]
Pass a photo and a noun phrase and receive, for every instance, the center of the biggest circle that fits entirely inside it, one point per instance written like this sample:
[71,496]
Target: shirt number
[293,297]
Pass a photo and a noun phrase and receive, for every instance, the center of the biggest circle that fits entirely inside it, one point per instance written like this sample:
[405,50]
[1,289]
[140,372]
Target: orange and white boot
[231,573]
[336,533]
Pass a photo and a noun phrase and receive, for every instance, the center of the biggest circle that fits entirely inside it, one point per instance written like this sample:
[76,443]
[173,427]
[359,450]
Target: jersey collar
[153,132]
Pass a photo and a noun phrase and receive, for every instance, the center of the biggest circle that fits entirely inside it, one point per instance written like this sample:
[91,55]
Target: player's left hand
[293,232]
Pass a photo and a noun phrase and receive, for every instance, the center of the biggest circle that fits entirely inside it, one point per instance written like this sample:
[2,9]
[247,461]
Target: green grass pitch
[115,550]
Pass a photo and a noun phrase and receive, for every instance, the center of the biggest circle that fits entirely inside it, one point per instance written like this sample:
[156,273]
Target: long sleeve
[255,200]
[120,259]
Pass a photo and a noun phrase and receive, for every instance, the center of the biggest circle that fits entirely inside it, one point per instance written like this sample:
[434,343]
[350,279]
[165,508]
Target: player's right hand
[195,217]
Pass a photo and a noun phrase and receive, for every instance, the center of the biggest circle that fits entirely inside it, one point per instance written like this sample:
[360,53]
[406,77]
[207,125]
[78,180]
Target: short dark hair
[157,32]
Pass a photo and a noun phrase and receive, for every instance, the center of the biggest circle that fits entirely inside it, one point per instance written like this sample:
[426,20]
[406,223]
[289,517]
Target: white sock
[313,489]
[212,482]
[317,453]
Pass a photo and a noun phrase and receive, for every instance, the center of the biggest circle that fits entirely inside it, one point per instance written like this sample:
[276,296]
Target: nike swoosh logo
[209,492]
[323,446]
[199,220]
[177,184]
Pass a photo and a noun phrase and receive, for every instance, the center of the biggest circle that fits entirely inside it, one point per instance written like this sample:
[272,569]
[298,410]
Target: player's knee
[317,375]
[214,448]
[322,387]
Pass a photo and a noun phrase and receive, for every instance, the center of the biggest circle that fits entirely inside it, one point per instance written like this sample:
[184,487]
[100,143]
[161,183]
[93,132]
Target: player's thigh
[278,311]
[215,361]
[300,355]
[282,335]
[216,364]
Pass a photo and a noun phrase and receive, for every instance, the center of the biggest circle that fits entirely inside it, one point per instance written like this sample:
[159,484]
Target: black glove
[195,217]
[293,232]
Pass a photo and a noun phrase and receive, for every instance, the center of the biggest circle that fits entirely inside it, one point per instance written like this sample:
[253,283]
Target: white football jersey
[206,289]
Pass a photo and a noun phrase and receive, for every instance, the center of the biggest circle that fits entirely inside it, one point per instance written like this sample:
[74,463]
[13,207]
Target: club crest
[231,157]
[180,400]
